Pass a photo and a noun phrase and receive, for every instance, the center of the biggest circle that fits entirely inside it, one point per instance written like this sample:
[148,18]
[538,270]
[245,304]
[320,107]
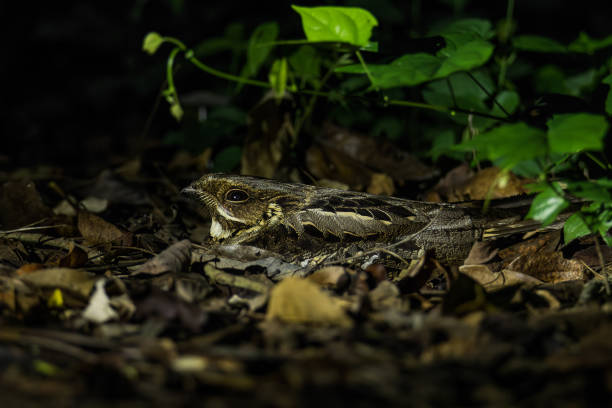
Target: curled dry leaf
[172,259]
[296,300]
[492,281]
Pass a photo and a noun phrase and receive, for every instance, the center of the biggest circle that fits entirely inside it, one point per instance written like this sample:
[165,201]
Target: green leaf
[574,132]
[594,190]
[575,227]
[278,77]
[538,43]
[350,25]
[407,70]
[306,63]
[227,159]
[259,47]
[466,48]
[508,144]
[151,42]
[546,206]
[608,80]
[588,45]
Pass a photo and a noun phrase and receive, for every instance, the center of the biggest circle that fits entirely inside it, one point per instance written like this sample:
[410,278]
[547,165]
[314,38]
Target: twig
[40,239]
[224,278]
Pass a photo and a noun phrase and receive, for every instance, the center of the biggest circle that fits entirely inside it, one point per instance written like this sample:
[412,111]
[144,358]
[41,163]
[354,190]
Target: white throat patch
[217,231]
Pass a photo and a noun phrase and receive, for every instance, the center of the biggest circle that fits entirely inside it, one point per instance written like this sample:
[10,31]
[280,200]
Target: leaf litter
[120,307]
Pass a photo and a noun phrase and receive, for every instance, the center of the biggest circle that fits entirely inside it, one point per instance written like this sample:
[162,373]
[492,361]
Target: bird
[309,224]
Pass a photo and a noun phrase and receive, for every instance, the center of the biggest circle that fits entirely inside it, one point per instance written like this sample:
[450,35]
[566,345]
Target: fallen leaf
[21,205]
[172,259]
[549,267]
[98,231]
[296,300]
[76,281]
[75,258]
[493,281]
[381,184]
[334,277]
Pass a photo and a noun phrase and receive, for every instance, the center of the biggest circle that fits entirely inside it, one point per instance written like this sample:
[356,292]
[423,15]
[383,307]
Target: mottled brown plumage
[306,223]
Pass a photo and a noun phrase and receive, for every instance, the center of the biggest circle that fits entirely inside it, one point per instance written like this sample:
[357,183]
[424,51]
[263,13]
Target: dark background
[78,89]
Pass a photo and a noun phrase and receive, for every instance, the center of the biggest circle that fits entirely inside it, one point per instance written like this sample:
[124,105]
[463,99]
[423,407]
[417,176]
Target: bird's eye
[236,196]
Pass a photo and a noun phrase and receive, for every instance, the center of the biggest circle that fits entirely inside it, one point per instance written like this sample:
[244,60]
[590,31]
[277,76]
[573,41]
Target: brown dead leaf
[29,268]
[329,164]
[542,243]
[20,205]
[171,259]
[270,135]
[75,258]
[374,153]
[462,184]
[76,281]
[481,253]
[334,277]
[493,281]
[98,231]
[381,184]
[549,267]
[296,300]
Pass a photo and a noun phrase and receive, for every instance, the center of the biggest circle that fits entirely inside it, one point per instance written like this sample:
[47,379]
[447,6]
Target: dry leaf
[549,267]
[296,300]
[381,184]
[76,281]
[335,277]
[98,231]
[75,258]
[172,259]
[492,281]
[20,205]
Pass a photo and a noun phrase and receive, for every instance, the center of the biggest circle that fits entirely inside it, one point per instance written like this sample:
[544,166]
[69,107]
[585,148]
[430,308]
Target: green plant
[468,80]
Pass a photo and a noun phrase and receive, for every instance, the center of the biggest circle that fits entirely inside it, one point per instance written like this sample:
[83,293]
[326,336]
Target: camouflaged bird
[304,223]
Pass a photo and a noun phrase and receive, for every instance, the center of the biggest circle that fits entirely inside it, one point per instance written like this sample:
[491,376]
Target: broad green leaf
[596,190]
[306,63]
[227,159]
[574,132]
[469,28]
[465,57]
[546,206]
[588,45]
[550,79]
[350,25]
[259,47]
[608,80]
[466,48]
[508,144]
[538,44]
[575,227]
[408,70]
[151,42]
